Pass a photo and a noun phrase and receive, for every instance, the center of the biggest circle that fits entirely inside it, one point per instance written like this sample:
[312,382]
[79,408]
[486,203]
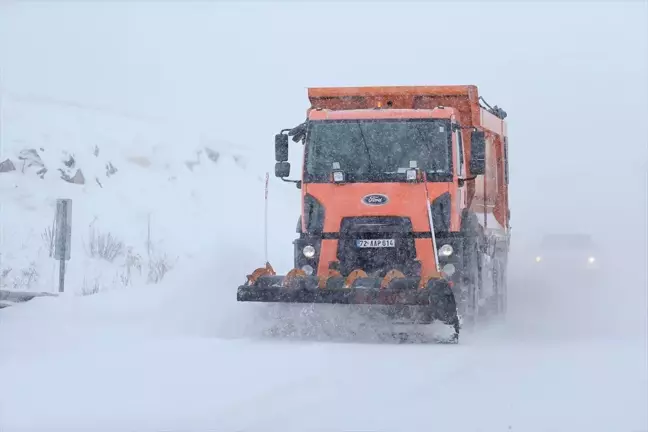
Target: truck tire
[471,281]
[499,275]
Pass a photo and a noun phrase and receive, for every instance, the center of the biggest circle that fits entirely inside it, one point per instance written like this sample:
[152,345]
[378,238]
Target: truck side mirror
[281,148]
[477,153]
[282,169]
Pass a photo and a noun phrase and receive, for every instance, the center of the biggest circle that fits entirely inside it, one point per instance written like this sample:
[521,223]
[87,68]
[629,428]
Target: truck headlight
[445,250]
[308,251]
[591,260]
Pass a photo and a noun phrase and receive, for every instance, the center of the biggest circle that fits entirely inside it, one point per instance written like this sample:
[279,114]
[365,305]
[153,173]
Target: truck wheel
[503,289]
[471,283]
[497,288]
[499,279]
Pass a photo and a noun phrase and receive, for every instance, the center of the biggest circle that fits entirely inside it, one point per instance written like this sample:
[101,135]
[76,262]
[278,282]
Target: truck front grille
[376,260]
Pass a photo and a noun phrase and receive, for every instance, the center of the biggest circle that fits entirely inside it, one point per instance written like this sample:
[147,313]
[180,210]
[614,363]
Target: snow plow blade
[309,289]
[415,300]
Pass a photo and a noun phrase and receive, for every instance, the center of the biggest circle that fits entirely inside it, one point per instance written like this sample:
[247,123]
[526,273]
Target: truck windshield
[378,150]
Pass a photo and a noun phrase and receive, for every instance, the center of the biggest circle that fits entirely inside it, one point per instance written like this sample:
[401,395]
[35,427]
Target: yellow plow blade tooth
[324,279]
[426,279]
[355,274]
[292,276]
[261,271]
[391,275]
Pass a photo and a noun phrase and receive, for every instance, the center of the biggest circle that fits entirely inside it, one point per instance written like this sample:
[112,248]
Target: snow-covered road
[160,363]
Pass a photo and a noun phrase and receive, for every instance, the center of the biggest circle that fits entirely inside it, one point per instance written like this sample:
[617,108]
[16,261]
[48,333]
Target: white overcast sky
[573,78]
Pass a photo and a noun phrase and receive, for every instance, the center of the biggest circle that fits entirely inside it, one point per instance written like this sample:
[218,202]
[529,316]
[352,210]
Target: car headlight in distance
[308,251]
[591,260]
[445,250]
[538,259]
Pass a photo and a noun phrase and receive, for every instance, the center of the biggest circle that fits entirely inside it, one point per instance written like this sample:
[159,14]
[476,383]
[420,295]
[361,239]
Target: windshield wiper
[364,142]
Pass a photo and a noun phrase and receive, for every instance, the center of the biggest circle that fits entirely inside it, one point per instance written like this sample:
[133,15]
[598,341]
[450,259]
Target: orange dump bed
[464,98]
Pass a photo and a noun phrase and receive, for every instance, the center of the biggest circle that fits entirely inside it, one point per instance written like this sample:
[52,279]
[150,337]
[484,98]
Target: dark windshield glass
[378,150]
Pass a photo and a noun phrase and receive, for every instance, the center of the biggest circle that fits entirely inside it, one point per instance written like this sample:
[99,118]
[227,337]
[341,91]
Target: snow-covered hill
[130,181]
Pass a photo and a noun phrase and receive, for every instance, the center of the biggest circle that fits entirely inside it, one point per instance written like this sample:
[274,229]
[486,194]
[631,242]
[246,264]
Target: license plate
[376,243]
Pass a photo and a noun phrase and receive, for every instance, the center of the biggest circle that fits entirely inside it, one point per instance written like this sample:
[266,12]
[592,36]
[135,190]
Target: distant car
[568,253]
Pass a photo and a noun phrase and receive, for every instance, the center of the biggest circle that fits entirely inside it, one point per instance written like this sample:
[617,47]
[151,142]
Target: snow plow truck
[404,196]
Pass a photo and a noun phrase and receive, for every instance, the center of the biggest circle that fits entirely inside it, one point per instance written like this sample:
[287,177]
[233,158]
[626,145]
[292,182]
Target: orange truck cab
[408,182]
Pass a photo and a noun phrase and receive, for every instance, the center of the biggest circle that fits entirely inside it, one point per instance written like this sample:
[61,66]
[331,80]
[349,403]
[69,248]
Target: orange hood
[403,199]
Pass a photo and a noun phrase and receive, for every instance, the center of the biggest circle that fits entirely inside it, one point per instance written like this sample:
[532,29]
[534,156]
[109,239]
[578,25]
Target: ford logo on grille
[375,199]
